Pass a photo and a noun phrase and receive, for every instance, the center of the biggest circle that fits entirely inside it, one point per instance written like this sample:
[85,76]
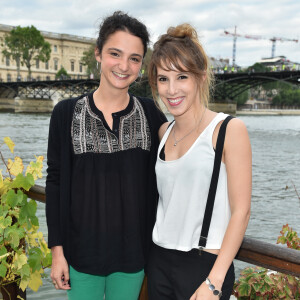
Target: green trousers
[116,286]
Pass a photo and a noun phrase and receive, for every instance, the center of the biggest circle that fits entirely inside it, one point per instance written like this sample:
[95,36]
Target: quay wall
[269,112]
[19,105]
[33,105]
[227,108]
[7,105]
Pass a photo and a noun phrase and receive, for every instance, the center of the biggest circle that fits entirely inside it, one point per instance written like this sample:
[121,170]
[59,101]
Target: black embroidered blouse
[112,189]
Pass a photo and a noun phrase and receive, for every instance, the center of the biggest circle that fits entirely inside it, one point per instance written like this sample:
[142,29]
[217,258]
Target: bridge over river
[227,87]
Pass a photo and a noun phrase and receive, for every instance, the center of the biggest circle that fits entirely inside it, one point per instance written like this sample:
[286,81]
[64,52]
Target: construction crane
[254,37]
[274,39]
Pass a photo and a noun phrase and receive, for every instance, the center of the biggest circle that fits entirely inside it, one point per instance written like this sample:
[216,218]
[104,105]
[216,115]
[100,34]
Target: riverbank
[269,112]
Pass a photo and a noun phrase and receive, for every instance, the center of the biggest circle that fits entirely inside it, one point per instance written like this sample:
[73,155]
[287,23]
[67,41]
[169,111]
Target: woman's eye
[114,54]
[162,79]
[135,59]
[182,77]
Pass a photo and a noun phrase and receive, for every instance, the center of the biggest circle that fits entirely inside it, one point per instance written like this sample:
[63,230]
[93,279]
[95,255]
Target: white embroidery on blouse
[90,135]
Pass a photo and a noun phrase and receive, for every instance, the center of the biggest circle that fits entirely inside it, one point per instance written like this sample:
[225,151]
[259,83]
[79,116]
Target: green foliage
[62,74]
[242,98]
[23,251]
[289,237]
[289,97]
[26,45]
[88,59]
[257,67]
[259,283]
[146,62]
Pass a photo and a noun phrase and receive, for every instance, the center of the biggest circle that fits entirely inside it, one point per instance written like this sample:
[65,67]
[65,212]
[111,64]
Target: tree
[88,59]
[242,98]
[62,74]
[146,62]
[26,45]
[257,67]
[287,97]
[12,49]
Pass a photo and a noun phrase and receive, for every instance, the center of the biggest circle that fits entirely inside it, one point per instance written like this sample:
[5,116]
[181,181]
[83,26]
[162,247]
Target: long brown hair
[180,49]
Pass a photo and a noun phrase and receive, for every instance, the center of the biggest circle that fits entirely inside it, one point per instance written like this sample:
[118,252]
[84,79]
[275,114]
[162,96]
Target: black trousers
[177,275]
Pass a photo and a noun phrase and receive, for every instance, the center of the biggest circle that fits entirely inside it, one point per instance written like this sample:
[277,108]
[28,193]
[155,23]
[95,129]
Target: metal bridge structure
[227,86]
[52,89]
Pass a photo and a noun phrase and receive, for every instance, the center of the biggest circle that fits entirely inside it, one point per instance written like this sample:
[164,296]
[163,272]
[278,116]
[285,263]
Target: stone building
[66,51]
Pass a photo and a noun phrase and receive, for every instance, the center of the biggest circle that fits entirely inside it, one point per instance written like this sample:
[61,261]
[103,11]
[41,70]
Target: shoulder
[236,127]
[66,104]
[237,138]
[162,130]
[146,102]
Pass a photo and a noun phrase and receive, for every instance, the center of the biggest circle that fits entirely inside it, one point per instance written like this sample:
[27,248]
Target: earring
[97,65]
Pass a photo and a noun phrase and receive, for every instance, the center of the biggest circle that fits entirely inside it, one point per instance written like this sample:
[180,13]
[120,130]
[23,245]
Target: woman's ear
[97,55]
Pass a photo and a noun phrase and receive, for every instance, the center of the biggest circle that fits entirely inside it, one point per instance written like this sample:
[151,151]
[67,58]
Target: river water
[276,167]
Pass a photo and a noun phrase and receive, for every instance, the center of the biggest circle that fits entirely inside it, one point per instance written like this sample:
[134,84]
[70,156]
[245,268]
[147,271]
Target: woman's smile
[175,101]
[120,75]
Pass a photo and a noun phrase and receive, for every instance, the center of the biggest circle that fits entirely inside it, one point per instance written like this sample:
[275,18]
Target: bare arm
[238,161]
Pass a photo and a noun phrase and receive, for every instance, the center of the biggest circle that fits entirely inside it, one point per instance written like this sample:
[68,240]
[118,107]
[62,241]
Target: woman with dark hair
[204,182]
[101,188]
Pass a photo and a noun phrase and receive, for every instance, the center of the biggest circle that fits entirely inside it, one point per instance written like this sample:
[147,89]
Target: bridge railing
[228,85]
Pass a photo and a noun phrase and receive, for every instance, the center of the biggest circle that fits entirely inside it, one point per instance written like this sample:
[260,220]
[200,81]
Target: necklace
[177,141]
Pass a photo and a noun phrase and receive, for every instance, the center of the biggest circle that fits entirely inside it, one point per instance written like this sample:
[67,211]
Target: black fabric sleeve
[53,179]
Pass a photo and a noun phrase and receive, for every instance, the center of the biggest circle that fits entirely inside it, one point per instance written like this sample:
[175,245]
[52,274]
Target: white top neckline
[167,133]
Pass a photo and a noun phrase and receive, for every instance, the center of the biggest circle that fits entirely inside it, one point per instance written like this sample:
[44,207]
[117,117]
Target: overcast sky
[267,18]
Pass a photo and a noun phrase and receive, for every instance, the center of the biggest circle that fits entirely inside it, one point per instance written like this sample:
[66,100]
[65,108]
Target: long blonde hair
[180,49]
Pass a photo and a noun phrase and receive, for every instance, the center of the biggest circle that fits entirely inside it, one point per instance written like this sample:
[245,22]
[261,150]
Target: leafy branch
[23,251]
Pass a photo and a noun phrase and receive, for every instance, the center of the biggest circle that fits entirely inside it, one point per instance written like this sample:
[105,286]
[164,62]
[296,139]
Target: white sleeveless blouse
[183,186]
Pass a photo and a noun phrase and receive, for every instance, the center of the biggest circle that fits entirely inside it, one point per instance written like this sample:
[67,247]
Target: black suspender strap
[170,124]
[213,185]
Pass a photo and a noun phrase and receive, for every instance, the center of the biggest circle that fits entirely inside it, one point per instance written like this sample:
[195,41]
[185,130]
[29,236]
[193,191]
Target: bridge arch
[229,86]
